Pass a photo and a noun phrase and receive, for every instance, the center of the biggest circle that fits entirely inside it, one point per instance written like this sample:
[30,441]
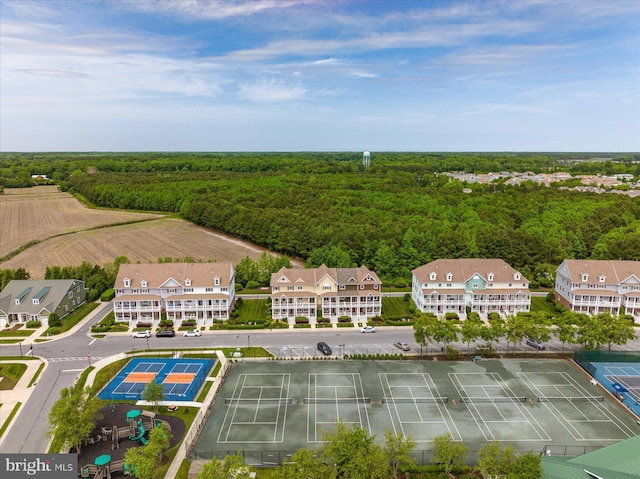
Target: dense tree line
[392,217]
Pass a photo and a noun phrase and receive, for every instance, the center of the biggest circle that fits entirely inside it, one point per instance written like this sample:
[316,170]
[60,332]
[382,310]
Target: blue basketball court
[181,379]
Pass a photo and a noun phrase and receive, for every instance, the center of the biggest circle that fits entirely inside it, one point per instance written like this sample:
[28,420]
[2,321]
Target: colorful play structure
[138,423]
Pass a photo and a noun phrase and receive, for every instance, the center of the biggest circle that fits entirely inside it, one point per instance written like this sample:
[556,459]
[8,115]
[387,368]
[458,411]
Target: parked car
[536,344]
[192,332]
[324,348]
[142,334]
[165,333]
[368,329]
[401,345]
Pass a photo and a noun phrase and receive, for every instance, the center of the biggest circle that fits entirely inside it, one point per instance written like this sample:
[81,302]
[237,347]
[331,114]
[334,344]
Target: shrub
[451,353]
[344,319]
[143,324]
[33,324]
[302,320]
[252,285]
[166,323]
[108,295]
[54,321]
[451,316]
[407,297]
[188,322]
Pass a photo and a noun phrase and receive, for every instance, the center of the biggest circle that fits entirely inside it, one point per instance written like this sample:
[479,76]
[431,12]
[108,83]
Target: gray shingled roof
[49,300]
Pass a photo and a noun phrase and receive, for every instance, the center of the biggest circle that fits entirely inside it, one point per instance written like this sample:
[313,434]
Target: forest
[392,217]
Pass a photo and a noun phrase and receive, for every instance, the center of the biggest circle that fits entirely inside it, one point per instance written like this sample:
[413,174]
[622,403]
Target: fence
[277,458]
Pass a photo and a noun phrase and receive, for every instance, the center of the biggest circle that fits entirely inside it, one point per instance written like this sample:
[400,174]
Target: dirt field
[28,214]
[144,242]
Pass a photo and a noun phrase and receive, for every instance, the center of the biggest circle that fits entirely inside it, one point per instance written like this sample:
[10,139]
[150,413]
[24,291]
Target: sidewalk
[19,394]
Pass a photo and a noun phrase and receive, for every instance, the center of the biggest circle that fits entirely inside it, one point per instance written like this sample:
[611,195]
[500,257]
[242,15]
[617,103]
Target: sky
[320,75]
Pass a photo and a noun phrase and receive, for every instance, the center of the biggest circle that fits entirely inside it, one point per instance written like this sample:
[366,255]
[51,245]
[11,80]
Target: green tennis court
[270,409]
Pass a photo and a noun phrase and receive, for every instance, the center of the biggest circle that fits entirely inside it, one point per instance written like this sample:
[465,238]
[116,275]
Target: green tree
[232,467]
[526,466]
[566,327]
[515,330]
[397,449]
[354,453]
[470,330]
[146,459]
[424,328]
[538,328]
[495,330]
[73,416]
[153,393]
[495,461]
[446,331]
[307,464]
[448,453]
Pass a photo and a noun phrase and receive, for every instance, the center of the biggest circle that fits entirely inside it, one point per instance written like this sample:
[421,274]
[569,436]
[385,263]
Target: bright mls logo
[51,466]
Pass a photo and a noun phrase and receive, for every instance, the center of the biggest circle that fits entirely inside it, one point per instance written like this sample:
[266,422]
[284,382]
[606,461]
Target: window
[224,290]
[35,301]
[276,288]
[490,276]
[143,284]
[432,276]
[341,287]
[127,282]
[449,276]
[585,277]
[187,282]
[208,290]
[516,276]
[362,286]
[299,288]
[216,281]
[326,287]
[375,286]
[289,288]
[601,278]
[475,285]
[188,290]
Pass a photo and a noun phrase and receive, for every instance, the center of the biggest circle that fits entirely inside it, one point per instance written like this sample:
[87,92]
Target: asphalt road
[67,357]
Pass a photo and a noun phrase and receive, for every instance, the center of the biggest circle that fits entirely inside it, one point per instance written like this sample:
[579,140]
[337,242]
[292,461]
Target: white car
[368,329]
[142,334]
[403,346]
[192,332]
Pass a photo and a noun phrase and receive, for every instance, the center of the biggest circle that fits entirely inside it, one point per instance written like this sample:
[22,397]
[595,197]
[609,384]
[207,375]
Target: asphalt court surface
[285,405]
[180,378]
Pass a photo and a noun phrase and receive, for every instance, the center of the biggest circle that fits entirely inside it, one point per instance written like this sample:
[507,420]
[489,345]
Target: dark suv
[324,348]
[165,333]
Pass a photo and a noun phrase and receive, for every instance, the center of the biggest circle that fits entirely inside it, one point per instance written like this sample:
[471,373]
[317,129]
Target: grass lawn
[11,374]
[253,310]
[542,305]
[395,308]
[71,320]
[17,332]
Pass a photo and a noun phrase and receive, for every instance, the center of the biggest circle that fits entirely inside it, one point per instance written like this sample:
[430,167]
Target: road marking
[93,341]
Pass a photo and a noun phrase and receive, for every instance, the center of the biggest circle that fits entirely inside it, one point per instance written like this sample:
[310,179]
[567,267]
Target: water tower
[366,159]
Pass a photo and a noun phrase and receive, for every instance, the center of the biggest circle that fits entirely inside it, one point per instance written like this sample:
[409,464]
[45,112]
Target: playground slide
[140,434]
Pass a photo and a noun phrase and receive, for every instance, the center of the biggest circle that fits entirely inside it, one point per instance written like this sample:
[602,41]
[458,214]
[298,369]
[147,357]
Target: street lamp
[147,338]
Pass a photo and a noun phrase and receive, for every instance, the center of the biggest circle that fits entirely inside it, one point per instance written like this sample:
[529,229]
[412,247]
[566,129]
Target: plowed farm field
[68,236]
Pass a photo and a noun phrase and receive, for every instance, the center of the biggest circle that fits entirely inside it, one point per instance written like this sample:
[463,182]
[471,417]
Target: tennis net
[335,400]
[571,399]
[257,401]
[419,400]
[483,399]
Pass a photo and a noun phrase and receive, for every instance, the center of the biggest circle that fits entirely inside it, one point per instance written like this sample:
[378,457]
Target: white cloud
[271,92]
[195,10]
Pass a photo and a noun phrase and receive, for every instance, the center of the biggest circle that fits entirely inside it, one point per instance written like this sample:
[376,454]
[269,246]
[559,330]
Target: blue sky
[331,75]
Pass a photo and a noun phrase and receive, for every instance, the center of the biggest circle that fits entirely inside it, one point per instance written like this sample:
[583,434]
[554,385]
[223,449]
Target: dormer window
[187,282]
[432,277]
[216,281]
[449,276]
[127,282]
[490,277]
[585,277]
[601,278]
[143,284]
[516,276]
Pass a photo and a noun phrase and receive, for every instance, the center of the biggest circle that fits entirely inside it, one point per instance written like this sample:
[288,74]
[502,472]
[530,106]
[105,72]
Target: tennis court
[181,379]
[270,409]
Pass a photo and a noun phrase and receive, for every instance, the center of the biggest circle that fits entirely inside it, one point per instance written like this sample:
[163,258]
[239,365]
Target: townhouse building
[201,291]
[481,285]
[599,286]
[330,292]
[35,300]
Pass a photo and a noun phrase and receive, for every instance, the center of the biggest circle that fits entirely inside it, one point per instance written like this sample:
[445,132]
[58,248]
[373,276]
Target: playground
[181,379]
[269,410]
[122,426]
